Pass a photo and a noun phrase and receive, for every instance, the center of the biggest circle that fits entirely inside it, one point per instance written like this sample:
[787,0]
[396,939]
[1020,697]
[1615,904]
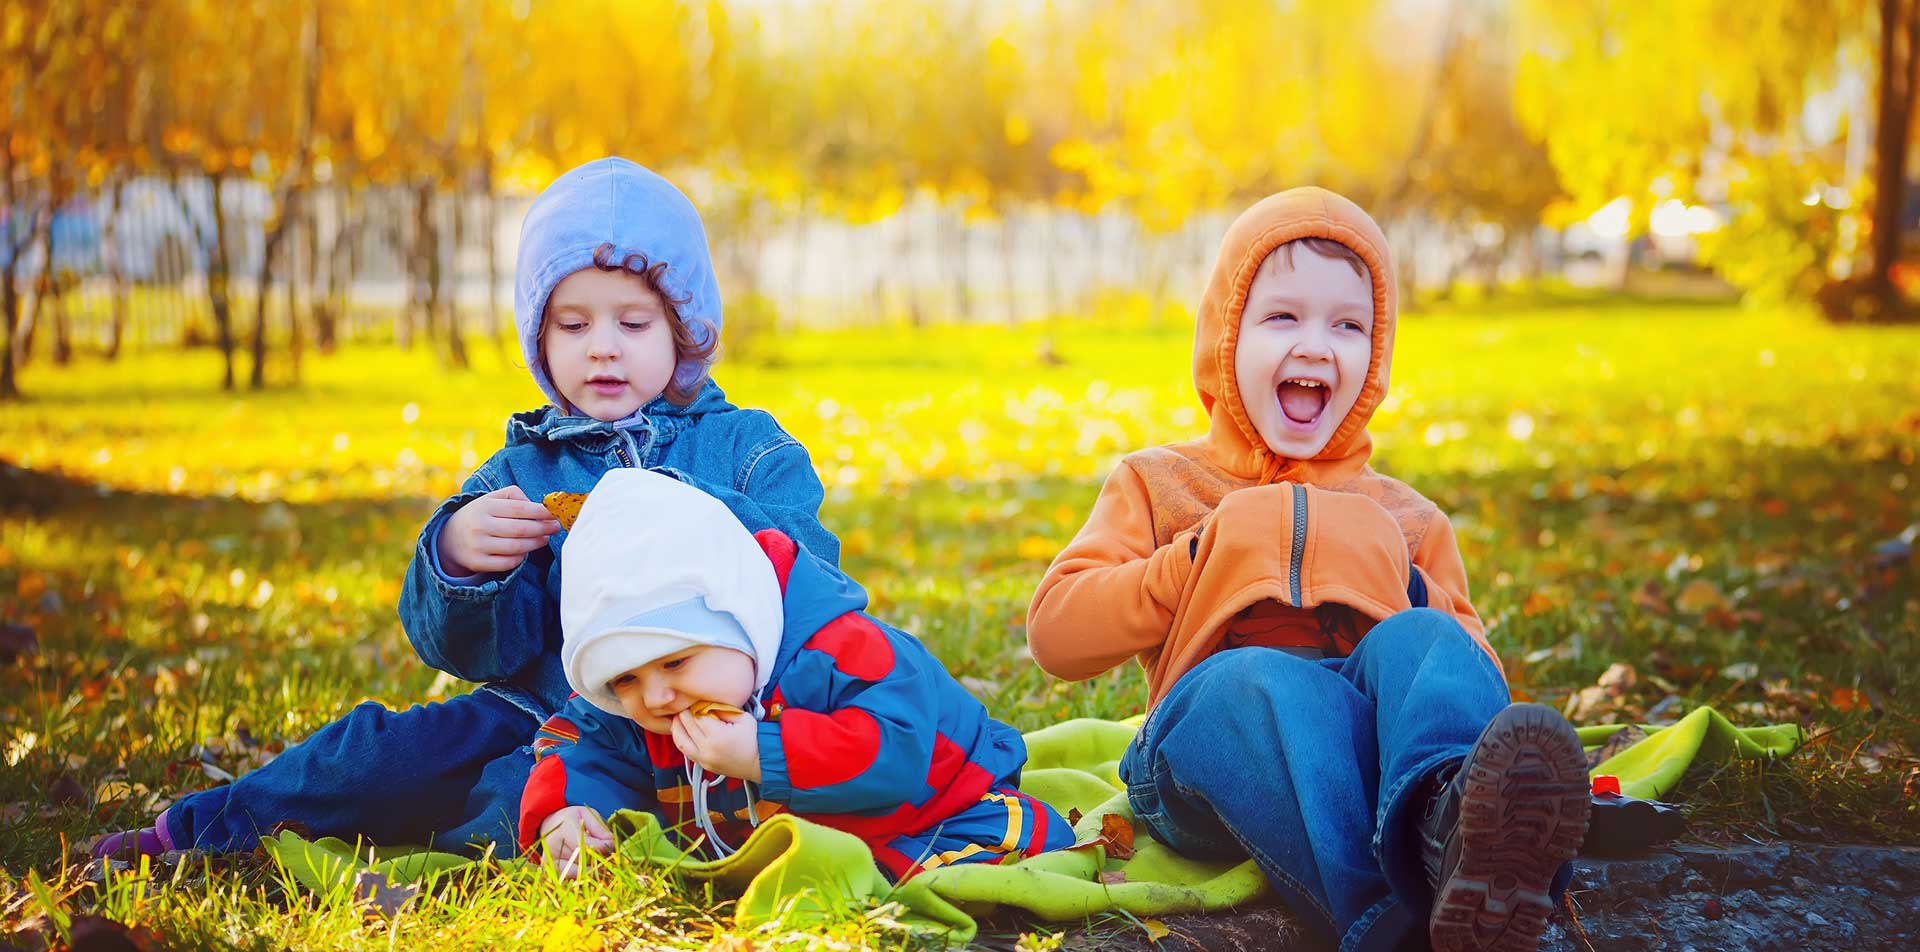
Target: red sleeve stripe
[544,795]
[857,646]
[825,749]
[896,863]
[1037,838]
[781,551]
[560,727]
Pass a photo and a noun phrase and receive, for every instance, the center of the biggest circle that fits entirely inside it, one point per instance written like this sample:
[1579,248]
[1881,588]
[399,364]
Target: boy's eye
[674,664]
[623,680]
[1351,326]
[1282,316]
[570,326]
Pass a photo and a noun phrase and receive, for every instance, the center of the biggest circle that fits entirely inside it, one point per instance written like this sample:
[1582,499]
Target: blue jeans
[1316,768]
[447,774]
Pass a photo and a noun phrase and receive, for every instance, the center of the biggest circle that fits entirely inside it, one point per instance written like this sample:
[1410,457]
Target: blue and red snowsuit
[864,731]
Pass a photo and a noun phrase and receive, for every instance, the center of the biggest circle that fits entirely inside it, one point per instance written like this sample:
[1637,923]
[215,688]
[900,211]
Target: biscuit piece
[564,506]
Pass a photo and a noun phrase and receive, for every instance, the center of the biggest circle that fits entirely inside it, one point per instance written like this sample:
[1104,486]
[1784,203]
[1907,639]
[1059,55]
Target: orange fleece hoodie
[1219,540]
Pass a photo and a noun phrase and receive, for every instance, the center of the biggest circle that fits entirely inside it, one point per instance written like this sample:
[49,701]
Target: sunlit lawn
[1694,491]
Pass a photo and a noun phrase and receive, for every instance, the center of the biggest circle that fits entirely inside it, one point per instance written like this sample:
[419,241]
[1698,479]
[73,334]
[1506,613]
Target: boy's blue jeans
[1316,769]
[448,773]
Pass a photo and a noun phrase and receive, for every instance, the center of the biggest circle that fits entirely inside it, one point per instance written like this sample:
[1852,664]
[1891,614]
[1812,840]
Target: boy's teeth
[1302,400]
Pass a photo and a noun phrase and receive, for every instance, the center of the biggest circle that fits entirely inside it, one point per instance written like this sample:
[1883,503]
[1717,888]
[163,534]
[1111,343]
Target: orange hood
[1186,537]
[1231,442]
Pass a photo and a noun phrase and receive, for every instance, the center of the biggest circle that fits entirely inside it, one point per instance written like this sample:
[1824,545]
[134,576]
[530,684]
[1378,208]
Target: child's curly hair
[686,345]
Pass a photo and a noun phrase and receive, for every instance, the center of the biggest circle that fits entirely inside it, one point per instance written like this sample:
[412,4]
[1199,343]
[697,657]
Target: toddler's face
[606,343]
[656,691]
[1306,338]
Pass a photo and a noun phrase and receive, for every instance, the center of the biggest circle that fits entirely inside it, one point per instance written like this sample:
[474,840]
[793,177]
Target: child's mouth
[606,386]
[1302,401]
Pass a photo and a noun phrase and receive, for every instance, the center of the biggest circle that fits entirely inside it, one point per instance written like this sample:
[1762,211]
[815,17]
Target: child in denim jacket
[618,316]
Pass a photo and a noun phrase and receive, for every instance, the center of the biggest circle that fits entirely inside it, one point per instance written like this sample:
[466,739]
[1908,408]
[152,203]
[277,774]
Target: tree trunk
[42,286]
[217,273]
[116,274]
[9,289]
[406,244]
[330,306]
[1007,249]
[308,266]
[1899,42]
[449,297]
[276,234]
[62,332]
[957,253]
[493,256]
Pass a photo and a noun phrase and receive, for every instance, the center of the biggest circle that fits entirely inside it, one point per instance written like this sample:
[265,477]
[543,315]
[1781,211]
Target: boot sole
[1523,813]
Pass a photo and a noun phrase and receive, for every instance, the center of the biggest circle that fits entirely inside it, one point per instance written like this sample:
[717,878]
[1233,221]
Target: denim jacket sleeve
[483,627]
[775,487]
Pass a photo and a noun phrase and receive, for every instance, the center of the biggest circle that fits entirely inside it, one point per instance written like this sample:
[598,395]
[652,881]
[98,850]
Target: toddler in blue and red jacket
[723,677]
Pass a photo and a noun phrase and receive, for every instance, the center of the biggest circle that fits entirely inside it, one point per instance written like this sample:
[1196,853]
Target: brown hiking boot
[1497,830]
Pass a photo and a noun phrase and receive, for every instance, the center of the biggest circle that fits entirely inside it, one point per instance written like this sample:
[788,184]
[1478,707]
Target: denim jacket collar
[649,430]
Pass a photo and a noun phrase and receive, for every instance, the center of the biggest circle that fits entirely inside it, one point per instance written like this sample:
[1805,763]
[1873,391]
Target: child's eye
[1282,316]
[675,664]
[636,325]
[622,681]
[1351,326]
[571,327]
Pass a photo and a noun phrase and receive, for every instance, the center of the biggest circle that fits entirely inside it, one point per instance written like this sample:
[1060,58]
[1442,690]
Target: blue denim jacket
[505,629]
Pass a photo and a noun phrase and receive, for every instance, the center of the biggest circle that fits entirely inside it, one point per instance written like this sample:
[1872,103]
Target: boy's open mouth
[1303,400]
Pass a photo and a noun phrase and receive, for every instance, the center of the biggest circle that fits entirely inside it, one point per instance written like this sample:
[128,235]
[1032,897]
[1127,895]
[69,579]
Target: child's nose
[604,341]
[1313,343]
[658,694]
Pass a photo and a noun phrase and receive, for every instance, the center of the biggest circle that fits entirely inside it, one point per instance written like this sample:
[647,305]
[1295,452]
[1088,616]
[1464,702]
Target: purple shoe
[151,841]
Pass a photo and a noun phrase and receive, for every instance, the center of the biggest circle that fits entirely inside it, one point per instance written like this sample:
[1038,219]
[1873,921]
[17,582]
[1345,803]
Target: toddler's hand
[723,743]
[569,832]
[494,533]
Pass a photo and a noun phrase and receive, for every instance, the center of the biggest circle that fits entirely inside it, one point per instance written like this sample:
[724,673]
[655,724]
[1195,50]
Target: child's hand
[568,832]
[494,533]
[723,743]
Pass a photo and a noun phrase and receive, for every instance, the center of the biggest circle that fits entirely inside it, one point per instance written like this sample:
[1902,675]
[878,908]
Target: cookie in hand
[564,506]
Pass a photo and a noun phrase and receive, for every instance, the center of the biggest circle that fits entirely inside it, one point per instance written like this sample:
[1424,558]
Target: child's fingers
[521,511]
[680,738]
[697,728]
[509,545]
[492,563]
[594,827]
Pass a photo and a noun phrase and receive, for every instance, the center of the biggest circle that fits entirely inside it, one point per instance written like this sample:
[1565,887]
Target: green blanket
[795,871]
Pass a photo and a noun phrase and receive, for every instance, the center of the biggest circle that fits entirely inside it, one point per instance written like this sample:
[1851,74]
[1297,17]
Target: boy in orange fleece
[1323,696]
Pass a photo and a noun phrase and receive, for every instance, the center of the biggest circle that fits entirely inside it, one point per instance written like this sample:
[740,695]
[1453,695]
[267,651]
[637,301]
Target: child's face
[654,692]
[1306,337]
[606,343]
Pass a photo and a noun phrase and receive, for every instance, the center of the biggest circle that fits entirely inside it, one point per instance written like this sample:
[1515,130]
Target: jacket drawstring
[697,778]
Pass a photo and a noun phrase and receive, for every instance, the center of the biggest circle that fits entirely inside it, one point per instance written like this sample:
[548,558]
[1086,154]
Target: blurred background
[271,178]
[1658,360]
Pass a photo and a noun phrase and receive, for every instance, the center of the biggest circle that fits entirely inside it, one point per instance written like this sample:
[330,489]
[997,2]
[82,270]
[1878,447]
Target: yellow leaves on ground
[566,934]
[1699,597]
[1037,548]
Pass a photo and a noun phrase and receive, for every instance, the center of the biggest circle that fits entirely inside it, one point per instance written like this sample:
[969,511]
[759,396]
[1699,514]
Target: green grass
[1694,491]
